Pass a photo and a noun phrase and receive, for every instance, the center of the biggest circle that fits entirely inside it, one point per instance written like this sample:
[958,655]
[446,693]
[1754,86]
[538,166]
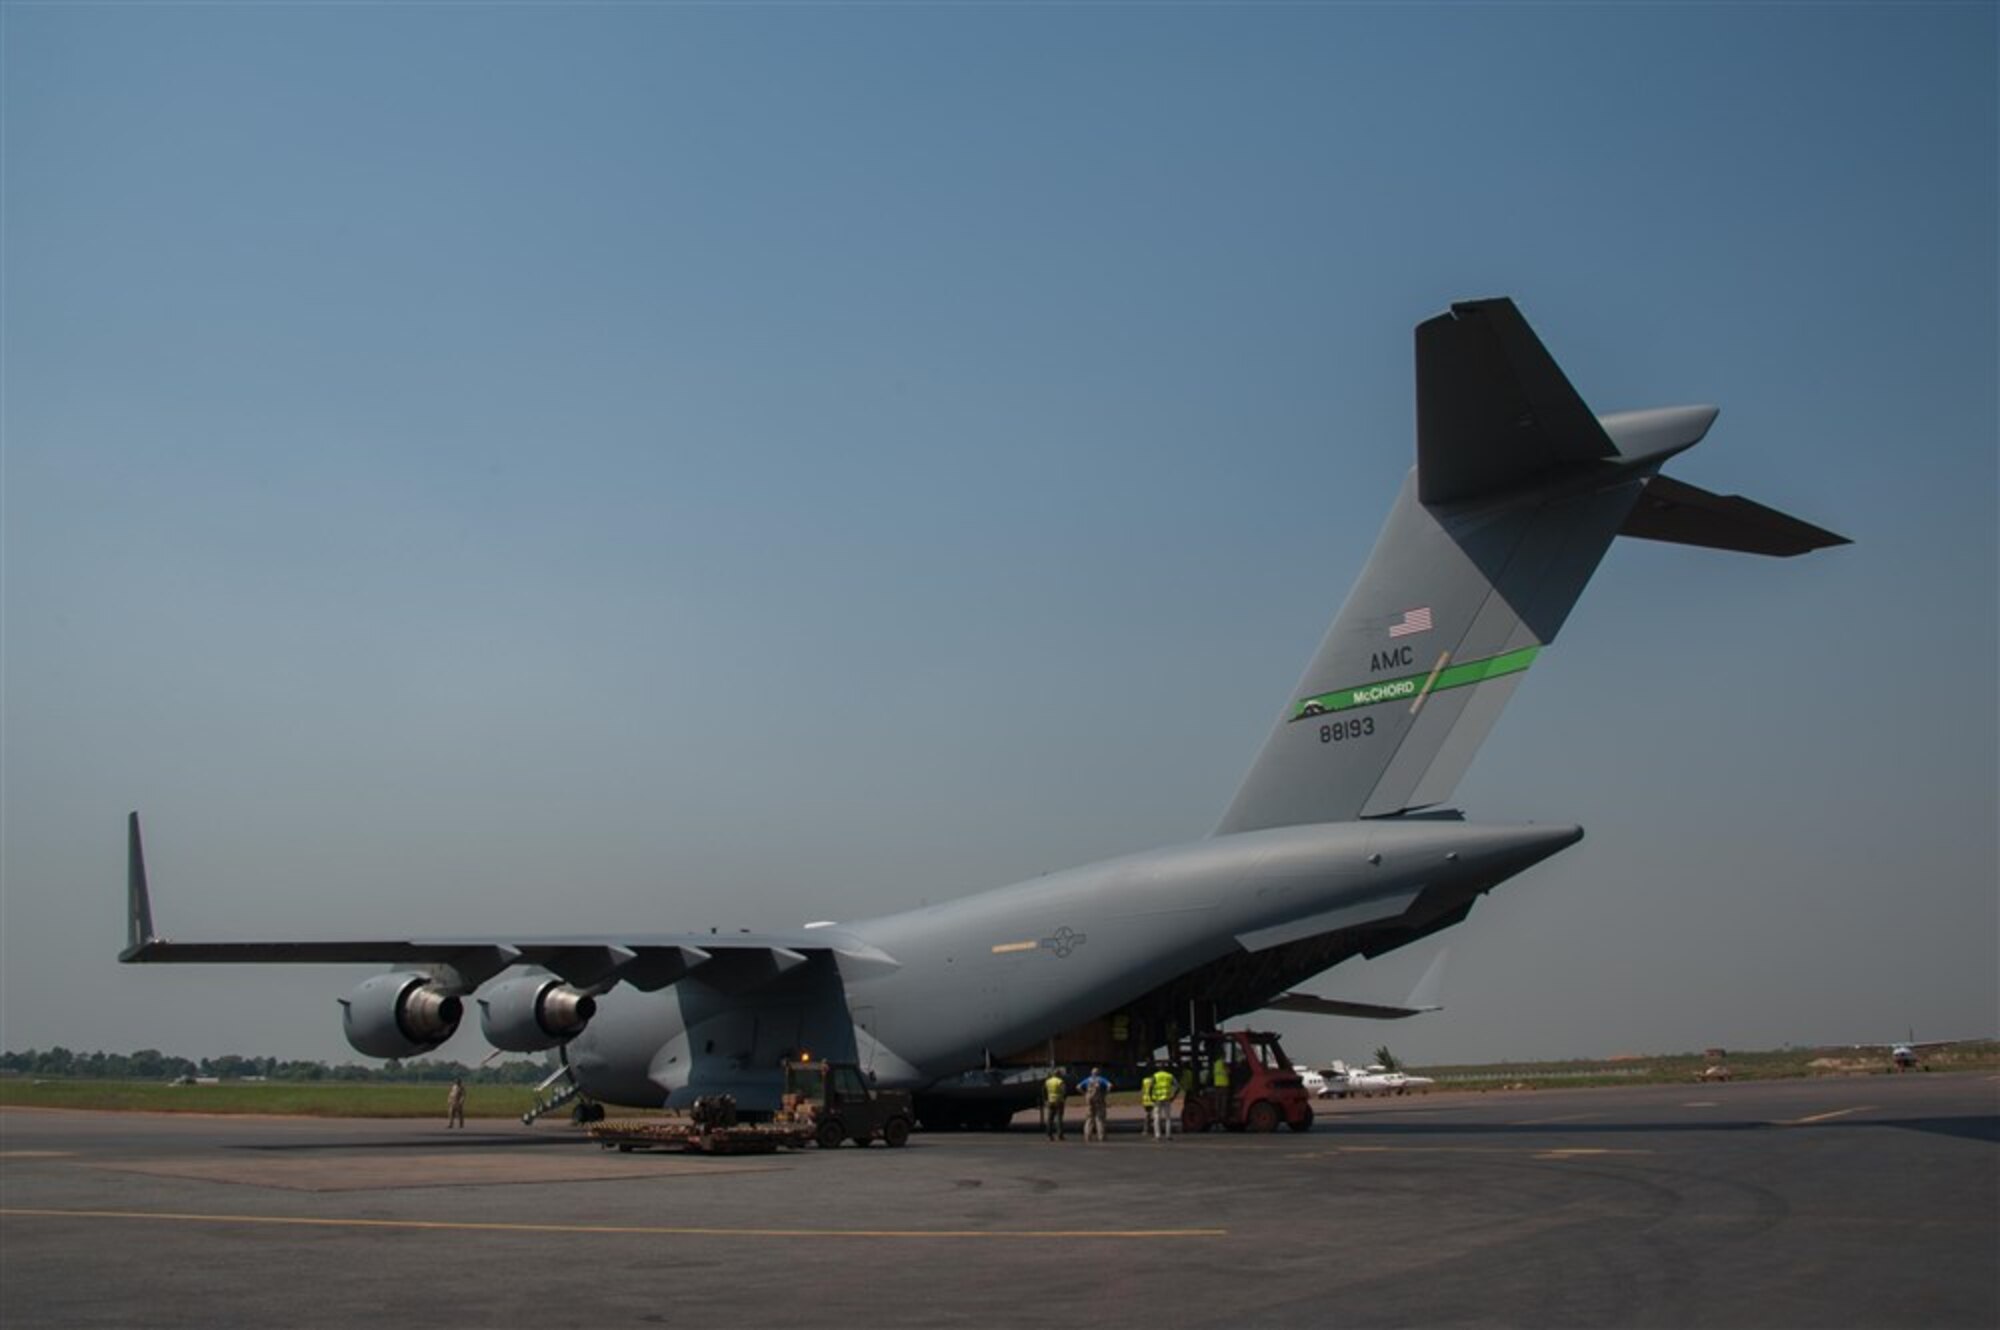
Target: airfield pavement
[1858,1201]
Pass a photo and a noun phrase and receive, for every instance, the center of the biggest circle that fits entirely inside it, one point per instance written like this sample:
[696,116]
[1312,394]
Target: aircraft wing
[1319,1006]
[1423,998]
[733,962]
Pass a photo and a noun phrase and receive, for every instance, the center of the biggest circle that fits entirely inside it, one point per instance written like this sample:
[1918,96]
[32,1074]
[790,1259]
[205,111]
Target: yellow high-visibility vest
[1164,1085]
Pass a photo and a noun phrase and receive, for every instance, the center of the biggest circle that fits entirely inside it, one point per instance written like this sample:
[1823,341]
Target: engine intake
[399,1015]
[533,1012]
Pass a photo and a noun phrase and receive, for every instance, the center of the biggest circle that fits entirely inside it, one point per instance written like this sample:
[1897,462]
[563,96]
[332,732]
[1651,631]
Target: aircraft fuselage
[927,994]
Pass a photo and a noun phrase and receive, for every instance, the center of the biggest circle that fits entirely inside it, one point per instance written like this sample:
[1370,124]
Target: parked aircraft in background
[1341,1081]
[1334,845]
[1909,1054]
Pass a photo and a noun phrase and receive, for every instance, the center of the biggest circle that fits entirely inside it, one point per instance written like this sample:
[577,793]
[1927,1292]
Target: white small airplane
[1340,1081]
[1908,1055]
[1410,1082]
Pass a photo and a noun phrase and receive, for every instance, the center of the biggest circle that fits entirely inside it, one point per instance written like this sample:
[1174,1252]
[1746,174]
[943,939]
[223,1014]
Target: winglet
[138,901]
[1428,995]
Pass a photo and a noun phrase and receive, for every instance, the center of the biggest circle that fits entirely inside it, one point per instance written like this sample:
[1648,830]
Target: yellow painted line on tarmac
[36,1154]
[1566,1117]
[1581,1151]
[1822,1117]
[637,1230]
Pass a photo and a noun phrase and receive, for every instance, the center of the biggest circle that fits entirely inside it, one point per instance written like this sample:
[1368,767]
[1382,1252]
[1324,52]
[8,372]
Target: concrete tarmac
[1844,1202]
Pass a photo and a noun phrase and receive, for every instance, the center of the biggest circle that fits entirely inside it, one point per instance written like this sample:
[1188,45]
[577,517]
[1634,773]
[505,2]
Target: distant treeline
[150,1064]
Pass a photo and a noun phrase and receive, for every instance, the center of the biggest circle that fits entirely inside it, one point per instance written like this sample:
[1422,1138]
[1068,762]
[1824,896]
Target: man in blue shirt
[1094,1089]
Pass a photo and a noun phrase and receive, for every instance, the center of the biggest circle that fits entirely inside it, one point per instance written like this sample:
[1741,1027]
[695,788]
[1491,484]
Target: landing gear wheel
[829,1135]
[896,1132]
[1263,1117]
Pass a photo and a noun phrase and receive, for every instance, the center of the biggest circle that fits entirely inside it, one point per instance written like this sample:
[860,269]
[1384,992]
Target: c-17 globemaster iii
[1334,846]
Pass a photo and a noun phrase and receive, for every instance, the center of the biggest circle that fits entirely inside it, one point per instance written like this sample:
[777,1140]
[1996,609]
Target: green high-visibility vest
[1054,1088]
[1164,1086]
[1146,1092]
[1221,1072]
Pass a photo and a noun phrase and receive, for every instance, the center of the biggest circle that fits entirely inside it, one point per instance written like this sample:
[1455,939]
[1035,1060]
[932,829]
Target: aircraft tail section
[1517,493]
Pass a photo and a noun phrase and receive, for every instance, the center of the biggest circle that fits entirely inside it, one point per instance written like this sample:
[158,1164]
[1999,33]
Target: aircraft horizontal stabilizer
[1683,514]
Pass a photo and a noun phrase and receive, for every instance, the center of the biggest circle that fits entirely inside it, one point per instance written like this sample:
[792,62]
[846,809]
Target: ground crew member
[1096,1091]
[1055,1092]
[1146,1100]
[1219,1073]
[1166,1089]
[454,1104]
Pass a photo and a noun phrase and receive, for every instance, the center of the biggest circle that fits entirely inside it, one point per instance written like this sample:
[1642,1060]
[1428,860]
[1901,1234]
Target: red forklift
[1260,1088]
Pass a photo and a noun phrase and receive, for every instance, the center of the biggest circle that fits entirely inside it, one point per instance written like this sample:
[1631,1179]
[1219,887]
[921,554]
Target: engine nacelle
[399,1016]
[533,1012]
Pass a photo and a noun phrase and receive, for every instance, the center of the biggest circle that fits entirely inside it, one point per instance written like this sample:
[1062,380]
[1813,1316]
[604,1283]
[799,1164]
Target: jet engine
[533,1012]
[399,1015]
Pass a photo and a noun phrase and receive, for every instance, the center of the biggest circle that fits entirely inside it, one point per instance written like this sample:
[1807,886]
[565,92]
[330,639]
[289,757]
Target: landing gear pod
[399,1016]
[534,1012]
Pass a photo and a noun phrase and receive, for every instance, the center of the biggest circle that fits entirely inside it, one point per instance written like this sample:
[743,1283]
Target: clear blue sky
[552,468]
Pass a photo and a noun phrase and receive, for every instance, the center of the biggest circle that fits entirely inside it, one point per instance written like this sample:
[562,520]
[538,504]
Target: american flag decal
[1414,621]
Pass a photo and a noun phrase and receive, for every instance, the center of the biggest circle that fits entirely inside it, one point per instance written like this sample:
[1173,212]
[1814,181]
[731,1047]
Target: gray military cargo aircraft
[1334,846]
